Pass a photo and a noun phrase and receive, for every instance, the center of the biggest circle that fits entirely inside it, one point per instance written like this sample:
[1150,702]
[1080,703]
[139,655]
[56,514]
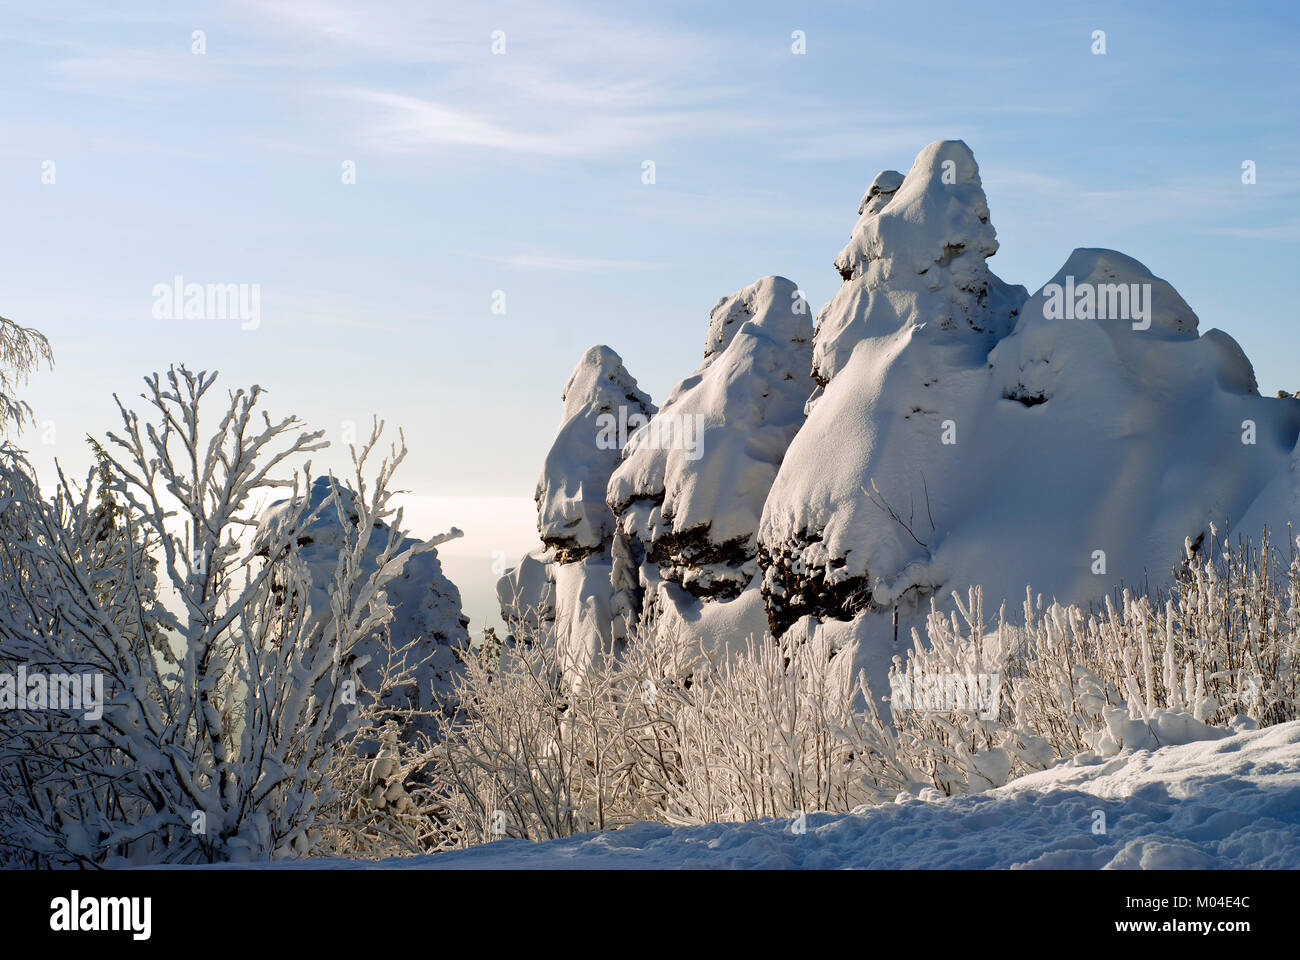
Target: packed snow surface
[1225,803]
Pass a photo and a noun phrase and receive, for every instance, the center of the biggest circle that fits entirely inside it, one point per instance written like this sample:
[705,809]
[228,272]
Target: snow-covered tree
[225,709]
[22,350]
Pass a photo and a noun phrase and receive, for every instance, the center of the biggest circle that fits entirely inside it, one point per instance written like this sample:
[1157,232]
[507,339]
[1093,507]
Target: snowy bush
[527,757]
[660,732]
[775,731]
[1220,650]
[683,735]
[226,716]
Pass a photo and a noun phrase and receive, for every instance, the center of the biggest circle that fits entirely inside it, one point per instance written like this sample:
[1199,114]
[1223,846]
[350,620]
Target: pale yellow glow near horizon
[490,524]
[498,531]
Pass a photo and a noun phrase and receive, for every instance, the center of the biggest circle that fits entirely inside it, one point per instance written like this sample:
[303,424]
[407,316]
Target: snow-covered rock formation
[566,585]
[965,435]
[898,351]
[958,432]
[527,596]
[601,405]
[425,605]
[691,488]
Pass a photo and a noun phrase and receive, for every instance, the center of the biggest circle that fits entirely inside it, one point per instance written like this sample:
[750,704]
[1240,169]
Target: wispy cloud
[1212,195]
[1289,231]
[571,83]
[126,74]
[400,123]
[573,264]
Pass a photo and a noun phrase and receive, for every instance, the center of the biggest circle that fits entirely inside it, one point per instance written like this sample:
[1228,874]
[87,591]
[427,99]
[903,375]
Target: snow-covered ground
[1229,803]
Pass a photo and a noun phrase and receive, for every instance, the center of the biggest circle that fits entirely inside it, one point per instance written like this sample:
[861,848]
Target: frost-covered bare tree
[22,350]
[48,791]
[226,704]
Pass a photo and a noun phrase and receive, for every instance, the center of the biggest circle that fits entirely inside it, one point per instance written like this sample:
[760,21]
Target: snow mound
[1102,279]
[425,604]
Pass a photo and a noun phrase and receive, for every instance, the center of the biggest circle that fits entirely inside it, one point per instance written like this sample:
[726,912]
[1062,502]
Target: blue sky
[522,172]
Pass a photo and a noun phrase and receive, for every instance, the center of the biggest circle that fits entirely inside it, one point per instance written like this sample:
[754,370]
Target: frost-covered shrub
[671,732]
[1220,649]
[661,731]
[226,732]
[527,756]
[950,704]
